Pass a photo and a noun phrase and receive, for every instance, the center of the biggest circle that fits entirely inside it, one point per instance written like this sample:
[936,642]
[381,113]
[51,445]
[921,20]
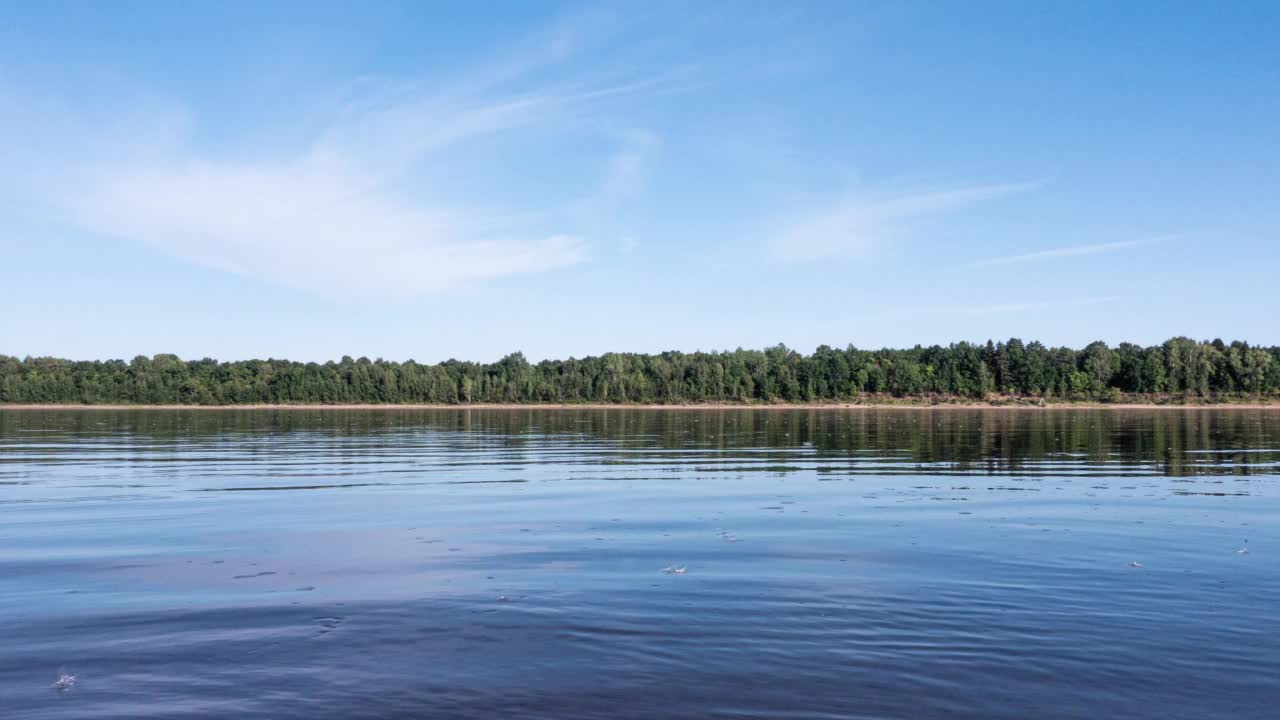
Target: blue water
[494,564]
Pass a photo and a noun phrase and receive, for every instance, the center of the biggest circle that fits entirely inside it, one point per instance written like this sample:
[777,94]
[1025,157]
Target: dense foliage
[1179,367]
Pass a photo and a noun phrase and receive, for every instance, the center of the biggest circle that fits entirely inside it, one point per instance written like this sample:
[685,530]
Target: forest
[1179,370]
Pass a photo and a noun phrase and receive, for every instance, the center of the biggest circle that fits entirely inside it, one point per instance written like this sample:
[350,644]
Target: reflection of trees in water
[996,440]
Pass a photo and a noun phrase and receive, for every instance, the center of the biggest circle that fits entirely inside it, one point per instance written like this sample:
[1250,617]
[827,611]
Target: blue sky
[435,180]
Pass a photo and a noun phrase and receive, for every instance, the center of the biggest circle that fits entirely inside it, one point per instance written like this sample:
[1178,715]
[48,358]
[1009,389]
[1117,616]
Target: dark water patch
[288,487]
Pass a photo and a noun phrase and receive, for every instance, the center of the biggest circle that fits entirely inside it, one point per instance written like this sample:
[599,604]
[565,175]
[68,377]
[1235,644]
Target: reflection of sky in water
[900,555]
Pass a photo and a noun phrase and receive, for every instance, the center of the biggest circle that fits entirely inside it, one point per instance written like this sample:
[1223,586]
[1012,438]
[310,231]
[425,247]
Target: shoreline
[682,406]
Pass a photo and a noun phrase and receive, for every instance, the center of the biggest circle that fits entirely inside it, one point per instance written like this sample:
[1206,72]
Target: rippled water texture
[487,563]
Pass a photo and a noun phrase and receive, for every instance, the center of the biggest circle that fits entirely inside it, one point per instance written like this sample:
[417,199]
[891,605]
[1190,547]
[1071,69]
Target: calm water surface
[485,563]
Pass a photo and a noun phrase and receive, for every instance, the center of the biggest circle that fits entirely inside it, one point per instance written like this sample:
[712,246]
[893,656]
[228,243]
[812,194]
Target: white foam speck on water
[64,682]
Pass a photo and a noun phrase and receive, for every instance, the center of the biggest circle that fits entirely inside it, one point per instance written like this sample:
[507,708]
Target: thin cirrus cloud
[1062,252]
[858,222]
[311,231]
[331,219]
[999,308]
[352,207]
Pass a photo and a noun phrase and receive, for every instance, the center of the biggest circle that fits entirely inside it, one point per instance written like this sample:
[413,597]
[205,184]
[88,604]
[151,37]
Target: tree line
[1179,368]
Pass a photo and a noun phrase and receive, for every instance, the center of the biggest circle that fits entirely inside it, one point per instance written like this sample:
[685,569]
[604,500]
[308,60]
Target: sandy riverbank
[689,406]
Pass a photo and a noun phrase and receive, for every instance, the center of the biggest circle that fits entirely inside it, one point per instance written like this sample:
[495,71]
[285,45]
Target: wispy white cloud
[1061,252]
[624,176]
[313,230]
[1020,307]
[858,222]
[629,167]
[350,208]
[330,219]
